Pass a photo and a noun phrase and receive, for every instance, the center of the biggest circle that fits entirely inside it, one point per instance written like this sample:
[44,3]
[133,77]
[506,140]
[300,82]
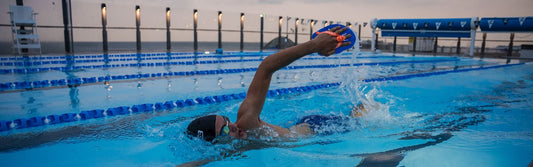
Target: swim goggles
[224,131]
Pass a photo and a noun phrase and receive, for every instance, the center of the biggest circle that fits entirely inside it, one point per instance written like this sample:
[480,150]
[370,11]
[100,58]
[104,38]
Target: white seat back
[21,13]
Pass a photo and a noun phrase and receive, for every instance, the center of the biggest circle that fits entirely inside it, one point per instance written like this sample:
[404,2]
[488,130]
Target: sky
[364,10]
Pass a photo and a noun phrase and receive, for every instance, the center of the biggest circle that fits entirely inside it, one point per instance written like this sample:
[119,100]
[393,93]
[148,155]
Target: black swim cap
[203,127]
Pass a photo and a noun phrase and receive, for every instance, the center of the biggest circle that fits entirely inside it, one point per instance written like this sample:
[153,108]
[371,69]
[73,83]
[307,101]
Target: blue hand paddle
[352,39]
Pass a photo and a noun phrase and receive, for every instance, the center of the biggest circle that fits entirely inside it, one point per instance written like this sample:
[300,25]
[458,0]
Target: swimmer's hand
[325,44]
[358,111]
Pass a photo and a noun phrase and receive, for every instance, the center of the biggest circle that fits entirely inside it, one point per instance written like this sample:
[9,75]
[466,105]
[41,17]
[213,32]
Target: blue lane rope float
[125,57]
[87,80]
[54,62]
[43,63]
[22,123]
[340,37]
[26,65]
[100,59]
[201,55]
[122,57]
[149,64]
[30,70]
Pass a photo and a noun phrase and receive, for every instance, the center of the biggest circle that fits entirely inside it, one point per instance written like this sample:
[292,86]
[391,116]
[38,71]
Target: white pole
[472,42]
[473,28]
[373,25]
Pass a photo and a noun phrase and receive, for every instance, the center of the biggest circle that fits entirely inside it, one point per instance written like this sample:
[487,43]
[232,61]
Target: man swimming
[248,121]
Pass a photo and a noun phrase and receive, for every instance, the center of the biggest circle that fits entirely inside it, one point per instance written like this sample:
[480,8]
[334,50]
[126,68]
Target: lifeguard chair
[24,28]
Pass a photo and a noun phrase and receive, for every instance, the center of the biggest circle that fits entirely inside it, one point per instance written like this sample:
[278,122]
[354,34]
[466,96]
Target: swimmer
[248,121]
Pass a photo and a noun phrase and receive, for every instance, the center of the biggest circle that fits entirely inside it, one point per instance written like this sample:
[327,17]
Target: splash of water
[369,95]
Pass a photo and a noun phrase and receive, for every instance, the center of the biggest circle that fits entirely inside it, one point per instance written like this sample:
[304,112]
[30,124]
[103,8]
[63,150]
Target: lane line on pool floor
[38,121]
[25,85]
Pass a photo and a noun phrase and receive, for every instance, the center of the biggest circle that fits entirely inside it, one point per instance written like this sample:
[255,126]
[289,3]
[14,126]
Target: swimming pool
[132,110]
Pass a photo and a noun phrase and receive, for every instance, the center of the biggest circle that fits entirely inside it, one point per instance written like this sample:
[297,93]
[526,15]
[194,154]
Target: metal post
[312,23]
[483,45]
[458,46]
[394,45]
[138,26]
[359,33]
[296,31]
[279,32]
[435,45]
[414,44]
[510,50]
[242,32]
[377,39]
[104,28]
[195,29]
[262,28]
[219,29]
[71,27]
[168,29]
[66,31]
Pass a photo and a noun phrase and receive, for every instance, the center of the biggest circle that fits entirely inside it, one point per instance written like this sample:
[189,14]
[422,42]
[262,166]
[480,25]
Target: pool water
[423,110]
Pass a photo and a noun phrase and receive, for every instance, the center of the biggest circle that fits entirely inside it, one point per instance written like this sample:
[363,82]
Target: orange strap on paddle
[340,38]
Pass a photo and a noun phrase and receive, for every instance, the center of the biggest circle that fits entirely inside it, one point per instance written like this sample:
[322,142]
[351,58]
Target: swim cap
[203,127]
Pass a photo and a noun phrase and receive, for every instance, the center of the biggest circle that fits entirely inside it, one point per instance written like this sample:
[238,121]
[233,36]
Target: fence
[94,26]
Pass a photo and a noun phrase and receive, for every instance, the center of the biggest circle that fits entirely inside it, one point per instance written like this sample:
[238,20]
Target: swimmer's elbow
[269,65]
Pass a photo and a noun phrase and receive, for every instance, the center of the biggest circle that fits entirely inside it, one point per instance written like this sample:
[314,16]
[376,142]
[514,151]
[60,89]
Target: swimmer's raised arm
[251,107]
